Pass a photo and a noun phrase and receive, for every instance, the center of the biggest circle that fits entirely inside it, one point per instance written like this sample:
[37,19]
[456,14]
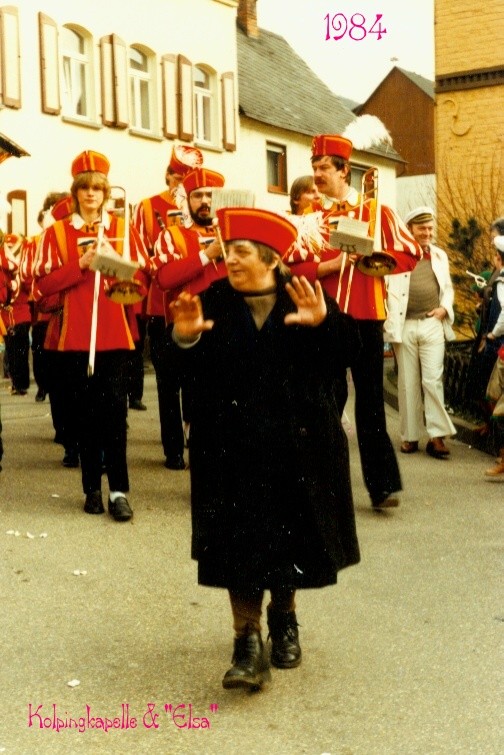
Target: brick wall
[468,35]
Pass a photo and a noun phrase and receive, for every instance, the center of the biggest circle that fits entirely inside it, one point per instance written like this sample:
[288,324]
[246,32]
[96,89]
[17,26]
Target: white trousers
[420,359]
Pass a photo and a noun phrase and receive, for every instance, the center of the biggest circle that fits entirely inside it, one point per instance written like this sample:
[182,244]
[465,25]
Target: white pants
[420,359]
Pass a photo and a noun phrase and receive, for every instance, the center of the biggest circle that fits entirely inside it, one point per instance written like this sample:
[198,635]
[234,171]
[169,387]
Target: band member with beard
[185,257]
[151,216]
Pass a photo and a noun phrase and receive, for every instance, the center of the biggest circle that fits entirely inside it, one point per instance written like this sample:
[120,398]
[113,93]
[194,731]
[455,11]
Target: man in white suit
[420,318]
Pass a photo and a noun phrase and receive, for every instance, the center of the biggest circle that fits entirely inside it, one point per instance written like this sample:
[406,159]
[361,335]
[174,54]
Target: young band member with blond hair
[95,386]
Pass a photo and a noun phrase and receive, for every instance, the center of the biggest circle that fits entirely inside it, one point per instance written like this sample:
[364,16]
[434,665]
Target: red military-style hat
[62,208]
[184,159]
[200,177]
[262,226]
[332,144]
[90,161]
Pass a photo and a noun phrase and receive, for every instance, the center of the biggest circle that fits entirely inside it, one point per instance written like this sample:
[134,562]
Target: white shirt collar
[351,198]
[78,221]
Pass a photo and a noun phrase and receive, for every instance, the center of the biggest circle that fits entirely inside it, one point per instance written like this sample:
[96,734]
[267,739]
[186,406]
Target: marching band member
[17,315]
[331,169]
[4,300]
[40,319]
[151,217]
[63,272]
[183,257]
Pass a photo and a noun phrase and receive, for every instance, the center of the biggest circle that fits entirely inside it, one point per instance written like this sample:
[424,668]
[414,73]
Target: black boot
[283,630]
[250,667]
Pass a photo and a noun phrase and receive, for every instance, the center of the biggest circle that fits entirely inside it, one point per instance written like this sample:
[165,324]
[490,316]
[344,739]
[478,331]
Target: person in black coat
[270,483]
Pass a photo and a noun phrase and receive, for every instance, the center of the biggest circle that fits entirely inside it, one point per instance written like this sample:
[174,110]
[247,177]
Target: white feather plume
[367,131]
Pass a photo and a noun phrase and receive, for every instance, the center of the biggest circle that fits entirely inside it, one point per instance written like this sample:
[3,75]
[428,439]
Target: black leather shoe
[94,503]
[250,669]
[40,395]
[386,501]
[138,405]
[175,462]
[283,631]
[120,509]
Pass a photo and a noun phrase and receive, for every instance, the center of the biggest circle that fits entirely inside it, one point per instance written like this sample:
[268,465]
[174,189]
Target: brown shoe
[409,446]
[436,448]
[497,470]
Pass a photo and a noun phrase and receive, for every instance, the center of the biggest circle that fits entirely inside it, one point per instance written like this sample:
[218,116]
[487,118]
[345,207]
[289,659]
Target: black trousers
[380,469]
[136,363]
[17,347]
[98,409]
[166,362]
[39,355]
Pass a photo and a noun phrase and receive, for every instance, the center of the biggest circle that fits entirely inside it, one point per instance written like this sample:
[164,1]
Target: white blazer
[398,293]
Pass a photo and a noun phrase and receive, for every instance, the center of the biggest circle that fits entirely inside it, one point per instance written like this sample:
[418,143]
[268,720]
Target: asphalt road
[402,657]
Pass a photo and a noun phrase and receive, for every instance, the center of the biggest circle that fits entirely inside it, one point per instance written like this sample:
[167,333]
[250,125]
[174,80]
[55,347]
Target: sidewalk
[466,431]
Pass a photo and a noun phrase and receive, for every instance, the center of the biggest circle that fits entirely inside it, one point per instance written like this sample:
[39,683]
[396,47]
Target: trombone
[362,238]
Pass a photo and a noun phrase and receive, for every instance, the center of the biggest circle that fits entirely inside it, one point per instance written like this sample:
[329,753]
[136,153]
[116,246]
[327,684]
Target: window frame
[85,60]
[202,97]
[135,79]
[357,172]
[17,195]
[281,167]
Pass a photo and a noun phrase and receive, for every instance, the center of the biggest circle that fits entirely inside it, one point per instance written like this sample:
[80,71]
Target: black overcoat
[270,482]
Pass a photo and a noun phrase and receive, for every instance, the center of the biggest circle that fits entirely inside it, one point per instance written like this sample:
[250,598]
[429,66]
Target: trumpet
[125,290]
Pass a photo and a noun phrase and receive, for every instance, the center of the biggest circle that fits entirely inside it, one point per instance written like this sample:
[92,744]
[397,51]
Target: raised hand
[310,302]
[187,316]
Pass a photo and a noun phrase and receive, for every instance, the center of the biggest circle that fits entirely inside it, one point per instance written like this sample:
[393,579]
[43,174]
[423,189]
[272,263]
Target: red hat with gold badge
[90,161]
[331,144]
[200,177]
[262,226]
[184,159]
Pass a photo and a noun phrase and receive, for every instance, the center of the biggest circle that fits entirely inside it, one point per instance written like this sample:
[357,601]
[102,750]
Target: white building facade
[132,81]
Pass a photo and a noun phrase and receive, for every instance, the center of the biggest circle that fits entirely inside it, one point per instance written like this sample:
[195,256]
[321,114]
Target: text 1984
[357,28]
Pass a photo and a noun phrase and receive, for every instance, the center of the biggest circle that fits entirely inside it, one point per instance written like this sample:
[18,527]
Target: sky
[354,65]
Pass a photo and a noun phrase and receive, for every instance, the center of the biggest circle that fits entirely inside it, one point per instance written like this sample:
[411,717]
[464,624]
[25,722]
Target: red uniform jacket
[147,216]
[16,307]
[178,265]
[367,300]
[57,276]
